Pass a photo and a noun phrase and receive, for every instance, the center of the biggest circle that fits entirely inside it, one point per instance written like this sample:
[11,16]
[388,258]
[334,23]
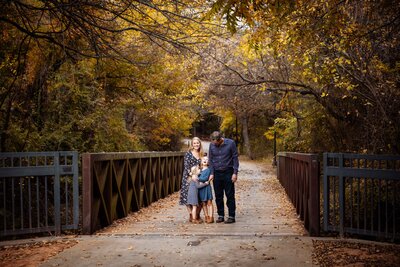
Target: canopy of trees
[332,68]
[97,75]
[134,75]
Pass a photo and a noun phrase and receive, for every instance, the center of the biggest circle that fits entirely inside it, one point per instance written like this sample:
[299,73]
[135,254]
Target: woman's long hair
[201,151]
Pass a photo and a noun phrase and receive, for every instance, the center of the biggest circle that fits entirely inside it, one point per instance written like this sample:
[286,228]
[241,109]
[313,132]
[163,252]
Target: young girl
[205,193]
[193,195]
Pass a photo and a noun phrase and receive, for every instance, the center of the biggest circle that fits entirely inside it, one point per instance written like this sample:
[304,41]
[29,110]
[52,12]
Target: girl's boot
[198,217]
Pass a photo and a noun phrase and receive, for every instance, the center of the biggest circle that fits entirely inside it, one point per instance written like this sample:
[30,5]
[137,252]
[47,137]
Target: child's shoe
[210,219]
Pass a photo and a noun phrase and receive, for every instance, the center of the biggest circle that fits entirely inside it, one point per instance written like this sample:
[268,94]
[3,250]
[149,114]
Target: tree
[92,69]
[235,102]
[344,54]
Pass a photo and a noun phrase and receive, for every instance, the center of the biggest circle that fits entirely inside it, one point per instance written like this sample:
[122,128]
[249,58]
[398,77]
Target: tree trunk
[246,141]
[4,127]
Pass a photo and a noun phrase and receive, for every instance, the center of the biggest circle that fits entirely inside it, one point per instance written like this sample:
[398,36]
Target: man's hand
[234,178]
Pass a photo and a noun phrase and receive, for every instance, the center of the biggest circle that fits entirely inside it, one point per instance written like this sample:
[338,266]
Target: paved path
[266,233]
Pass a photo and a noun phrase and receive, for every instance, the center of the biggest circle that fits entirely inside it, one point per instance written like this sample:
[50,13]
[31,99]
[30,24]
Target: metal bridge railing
[361,194]
[299,175]
[116,183]
[39,192]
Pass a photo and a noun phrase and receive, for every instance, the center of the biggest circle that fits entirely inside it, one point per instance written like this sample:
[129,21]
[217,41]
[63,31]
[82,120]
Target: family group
[220,167]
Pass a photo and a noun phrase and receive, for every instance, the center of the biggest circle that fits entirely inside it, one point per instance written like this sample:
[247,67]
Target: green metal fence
[361,194]
[39,192]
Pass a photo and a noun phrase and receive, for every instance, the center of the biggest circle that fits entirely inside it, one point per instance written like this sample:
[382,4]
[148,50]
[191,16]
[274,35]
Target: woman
[192,158]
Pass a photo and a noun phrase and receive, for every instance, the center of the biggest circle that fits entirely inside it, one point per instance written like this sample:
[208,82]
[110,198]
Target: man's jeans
[223,183]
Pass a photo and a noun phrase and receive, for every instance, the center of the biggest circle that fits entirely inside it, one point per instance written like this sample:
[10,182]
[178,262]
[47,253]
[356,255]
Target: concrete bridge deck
[266,233]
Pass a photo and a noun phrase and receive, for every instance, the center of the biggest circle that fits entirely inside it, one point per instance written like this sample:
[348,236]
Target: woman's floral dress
[188,162]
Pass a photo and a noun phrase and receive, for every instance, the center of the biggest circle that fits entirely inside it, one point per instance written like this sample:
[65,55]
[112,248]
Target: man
[224,165]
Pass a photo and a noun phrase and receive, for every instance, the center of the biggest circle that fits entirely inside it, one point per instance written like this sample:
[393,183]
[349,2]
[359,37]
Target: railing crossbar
[31,189]
[369,182]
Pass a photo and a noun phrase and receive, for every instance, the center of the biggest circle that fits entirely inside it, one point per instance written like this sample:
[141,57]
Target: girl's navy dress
[205,192]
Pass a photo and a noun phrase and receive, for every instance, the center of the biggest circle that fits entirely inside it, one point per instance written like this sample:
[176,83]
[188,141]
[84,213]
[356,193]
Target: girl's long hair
[193,170]
[201,151]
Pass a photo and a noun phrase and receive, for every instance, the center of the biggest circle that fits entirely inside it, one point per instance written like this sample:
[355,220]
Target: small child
[205,194]
[193,195]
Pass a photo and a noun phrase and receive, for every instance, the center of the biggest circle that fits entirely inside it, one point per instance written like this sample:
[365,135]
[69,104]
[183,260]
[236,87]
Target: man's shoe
[220,220]
[230,220]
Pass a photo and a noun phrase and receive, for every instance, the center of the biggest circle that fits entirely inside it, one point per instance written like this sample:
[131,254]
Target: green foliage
[119,83]
[121,77]
[307,127]
[228,122]
[343,54]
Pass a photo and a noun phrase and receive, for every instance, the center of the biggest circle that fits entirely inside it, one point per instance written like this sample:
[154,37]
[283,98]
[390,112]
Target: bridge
[267,227]
[130,208]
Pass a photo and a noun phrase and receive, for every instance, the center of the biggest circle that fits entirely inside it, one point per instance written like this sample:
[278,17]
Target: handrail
[39,192]
[299,175]
[116,183]
[361,194]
